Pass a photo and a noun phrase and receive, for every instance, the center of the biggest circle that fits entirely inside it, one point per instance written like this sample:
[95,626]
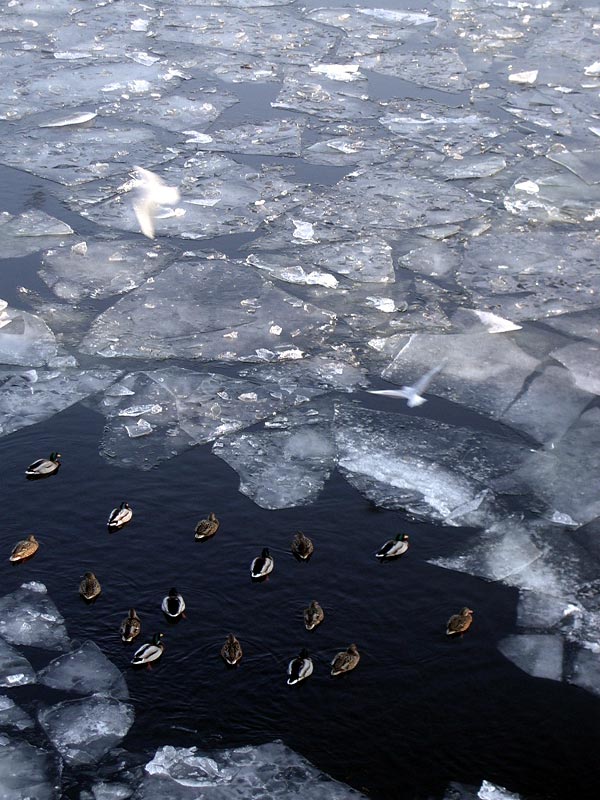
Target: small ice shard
[385,304]
[491,791]
[582,359]
[140,25]
[152,194]
[593,70]
[412,394]
[77,119]
[337,72]
[528,77]
[538,654]
[527,186]
[304,231]
[25,339]
[495,323]
[137,411]
[28,616]
[11,716]
[140,428]
[15,670]
[83,731]
[85,671]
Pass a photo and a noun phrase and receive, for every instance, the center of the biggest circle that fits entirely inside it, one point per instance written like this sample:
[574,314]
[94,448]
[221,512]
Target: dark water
[418,712]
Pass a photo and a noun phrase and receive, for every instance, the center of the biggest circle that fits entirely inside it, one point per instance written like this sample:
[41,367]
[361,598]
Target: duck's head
[124,505]
[353,649]
[466,611]
[231,638]
[89,575]
[31,538]
[54,456]
[265,553]
[212,516]
[173,592]
[132,613]
[157,637]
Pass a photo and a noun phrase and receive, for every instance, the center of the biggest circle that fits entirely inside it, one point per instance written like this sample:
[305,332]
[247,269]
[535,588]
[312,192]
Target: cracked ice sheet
[213,309]
[435,471]
[72,156]
[480,371]
[31,396]
[33,230]
[441,68]
[373,30]
[365,260]
[347,143]
[287,465]
[218,197]
[582,359]
[271,33]
[533,273]
[325,99]
[29,617]
[25,339]
[273,137]
[557,197]
[12,716]
[37,87]
[564,474]
[100,269]
[27,771]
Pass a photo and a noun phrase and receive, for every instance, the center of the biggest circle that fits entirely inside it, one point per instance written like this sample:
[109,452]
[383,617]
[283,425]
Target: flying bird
[412,394]
[152,192]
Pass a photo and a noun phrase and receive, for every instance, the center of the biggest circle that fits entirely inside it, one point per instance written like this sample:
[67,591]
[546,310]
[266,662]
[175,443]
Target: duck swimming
[459,623]
[130,627]
[119,517]
[89,588]
[148,653]
[262,565]
[345,661]
[231,650]
[207,527]
[313,616]
[173,605]
[24,549]
[44,467]
[302,546]
[299,668]
[393,547]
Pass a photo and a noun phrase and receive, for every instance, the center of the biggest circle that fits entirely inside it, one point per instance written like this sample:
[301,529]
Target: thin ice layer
[15,670]
[83,731]
[12,716]
[26,771]
[85,671]
[33,230]
[208,310]
[28,616]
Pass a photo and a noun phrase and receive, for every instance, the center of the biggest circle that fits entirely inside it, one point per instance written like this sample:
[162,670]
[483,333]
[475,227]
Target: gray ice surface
[29,617]
[85,671]
[26,771]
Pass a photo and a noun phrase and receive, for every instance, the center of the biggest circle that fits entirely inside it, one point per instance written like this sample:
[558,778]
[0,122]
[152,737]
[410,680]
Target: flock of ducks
[173,605]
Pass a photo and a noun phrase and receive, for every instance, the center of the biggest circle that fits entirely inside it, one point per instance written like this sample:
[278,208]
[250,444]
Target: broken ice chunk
[83,731]
[304,231]
[15,670]
[85,671]
[538,654]
[527,77]
[27,771]
[76,119]
[11,716]
[29,232]
[140,428]
[337,72]
[583,362]
[28,616]
[25,339]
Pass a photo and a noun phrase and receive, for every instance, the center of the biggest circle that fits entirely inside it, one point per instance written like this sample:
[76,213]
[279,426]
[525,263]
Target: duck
[302,546]
[173,605]
[119,517]
[130,627]
[345,661]
[393,547]
[232,650]
[262,564]
[44,467]
[459,623]
[207,527]
[300,668]
[24,549]
[89,588]
[313,616]
[149,652]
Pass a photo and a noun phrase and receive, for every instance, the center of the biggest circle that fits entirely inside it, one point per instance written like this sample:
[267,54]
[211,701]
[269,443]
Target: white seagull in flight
[152,192]
[412,394]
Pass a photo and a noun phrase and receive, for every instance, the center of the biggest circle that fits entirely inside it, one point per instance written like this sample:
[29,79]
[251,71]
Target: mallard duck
[130,627]
[148,653]
[24,549]
[44,467]
[313,616]
[459,623]
[231,650]
[119,517]
[345,661]
[207,527]
[299,668]
[89,586]
[173,604]
[262,565]
[302,546]
[393,547]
